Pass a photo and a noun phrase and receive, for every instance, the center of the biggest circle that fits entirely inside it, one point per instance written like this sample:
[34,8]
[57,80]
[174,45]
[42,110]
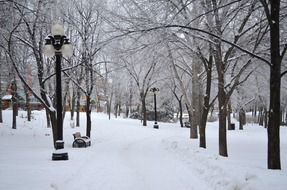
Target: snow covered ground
[127,156]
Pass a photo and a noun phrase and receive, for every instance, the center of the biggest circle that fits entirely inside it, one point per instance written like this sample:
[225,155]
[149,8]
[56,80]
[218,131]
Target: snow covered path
[134,159]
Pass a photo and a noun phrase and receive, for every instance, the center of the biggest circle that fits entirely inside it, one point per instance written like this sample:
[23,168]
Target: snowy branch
[76,83]
[202,31]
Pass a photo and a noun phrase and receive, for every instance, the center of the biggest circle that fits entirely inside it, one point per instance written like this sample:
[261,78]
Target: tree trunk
[130,98]
[144,109]
[109,105]
[261,117]
[281,117]
[189,112]
[127,110]
[14,103]
[1,115]
[266,116]
[66,93]
[48,120]
[108,109]
[78,108]
[202,128]
[116,107]
[274,120]
[52,116]
[242,119]
[220,66]
[73,104]
[194,122]
[180,112]
[222,109]
[222,124]
[195,97]
[229,111]
[28,104]
[119,109]
[88,114]
[273,129]
[206,105]
[255,111]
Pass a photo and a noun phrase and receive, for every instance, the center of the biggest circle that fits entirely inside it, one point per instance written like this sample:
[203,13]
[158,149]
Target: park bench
[81,141]
[187,124]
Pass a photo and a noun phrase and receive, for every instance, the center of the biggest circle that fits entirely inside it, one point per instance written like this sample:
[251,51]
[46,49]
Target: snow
[126,156]
[7,97]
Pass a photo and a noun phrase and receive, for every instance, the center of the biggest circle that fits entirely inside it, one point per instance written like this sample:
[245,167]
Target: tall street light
[58,45]
[155,91]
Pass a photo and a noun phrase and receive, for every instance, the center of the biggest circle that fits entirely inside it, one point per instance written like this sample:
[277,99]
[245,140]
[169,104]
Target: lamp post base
[60,153]
[60,156]
[155,126]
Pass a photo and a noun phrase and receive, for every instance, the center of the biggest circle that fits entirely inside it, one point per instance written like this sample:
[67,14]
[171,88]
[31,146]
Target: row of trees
[234,36]
[204,56]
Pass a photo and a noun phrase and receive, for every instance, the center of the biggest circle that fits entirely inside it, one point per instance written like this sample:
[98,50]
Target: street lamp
[155,90]
[58,45]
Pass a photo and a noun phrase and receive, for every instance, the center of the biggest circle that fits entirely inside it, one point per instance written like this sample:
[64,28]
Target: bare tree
[142,69]
[272,12]
[30,23]
[86,19]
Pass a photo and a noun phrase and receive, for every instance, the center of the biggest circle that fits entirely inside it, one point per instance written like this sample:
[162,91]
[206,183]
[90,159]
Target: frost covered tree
[86,18]
[28,31]
[143,71]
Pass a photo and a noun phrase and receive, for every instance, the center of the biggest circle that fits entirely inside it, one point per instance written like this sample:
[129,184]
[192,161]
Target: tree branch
[201,31]
[283,52]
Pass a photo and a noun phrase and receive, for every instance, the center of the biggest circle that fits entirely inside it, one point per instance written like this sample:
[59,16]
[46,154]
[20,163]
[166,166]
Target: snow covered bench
[187,124]
[81,141]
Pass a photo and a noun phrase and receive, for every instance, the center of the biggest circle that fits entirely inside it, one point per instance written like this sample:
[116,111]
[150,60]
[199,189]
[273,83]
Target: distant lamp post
[58,45]
[155,91]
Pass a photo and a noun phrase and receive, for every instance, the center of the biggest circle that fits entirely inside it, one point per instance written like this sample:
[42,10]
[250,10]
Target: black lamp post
[58,45]
[155,90]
